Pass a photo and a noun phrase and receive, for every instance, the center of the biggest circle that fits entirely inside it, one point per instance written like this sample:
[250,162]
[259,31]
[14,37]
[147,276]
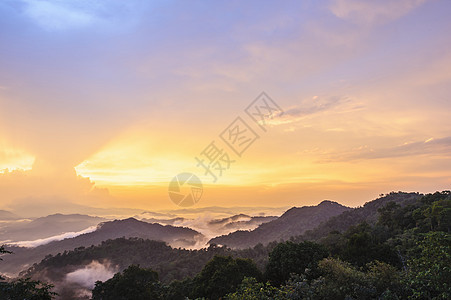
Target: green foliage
[431,213]
[170,263]
[396,247]
[340,280]
[337,280]
[222,275]
[178,289]
[367,213]
[364,244]
[133,283]
[251,289]
[429,272]
[287,258]
[388,215]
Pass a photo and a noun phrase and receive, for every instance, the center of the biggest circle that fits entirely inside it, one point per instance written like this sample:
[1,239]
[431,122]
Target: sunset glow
[103,104]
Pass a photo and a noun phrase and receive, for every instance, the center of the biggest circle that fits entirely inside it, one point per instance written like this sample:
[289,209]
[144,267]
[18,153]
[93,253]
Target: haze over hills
[7,215]
[293,222]
[212,227]
[174,236]
[76,271]
[301,219]
[46,227]
[309,222]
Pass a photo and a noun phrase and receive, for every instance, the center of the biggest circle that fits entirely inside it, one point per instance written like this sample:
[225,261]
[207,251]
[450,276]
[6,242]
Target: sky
[102,103]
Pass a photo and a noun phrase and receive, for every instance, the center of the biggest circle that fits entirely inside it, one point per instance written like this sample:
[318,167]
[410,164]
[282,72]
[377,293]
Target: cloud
[59,15]
[59,237]
[372,12]
[431,146]
[315,106]
[87,276]
[12,158]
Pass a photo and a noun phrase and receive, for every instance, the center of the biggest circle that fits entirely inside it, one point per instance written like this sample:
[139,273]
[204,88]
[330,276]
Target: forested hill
[293,222]
[171,263]
[176,236]
[401,250]
[368,213]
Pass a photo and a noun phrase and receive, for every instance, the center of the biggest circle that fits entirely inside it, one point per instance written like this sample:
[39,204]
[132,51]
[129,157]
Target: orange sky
[102,105]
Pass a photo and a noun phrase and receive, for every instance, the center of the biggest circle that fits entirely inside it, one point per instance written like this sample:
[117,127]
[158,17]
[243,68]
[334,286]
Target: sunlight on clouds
[140,165]
[14,159]
[130,164]
[364,86]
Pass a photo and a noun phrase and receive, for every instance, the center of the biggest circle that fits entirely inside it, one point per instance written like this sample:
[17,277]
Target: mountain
[175,236]
[293,222]
[115,255]
[7,215]
[367,213]
[415,223]
[46,227]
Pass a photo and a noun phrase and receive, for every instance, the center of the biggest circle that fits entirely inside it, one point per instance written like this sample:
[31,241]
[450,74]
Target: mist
[67,235]
[95,271]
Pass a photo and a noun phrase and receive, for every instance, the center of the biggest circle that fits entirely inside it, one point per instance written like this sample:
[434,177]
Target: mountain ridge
[175,236]
[295,221]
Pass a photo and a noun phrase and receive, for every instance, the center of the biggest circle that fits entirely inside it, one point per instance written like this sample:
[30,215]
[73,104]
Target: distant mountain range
[174,236]
[293,222]
[45,227]
[303,223]
[7,215]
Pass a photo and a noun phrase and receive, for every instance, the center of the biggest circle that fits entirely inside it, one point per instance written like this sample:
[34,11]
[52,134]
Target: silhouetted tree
[24,288]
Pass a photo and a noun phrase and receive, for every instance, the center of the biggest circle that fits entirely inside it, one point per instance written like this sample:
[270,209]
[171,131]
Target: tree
[26,289]
[341,280]
[222,275]
[388,213]
[178,289]
[251,289]
[429,272]
[133,283]
[365,244]
[4,251]
[287,258]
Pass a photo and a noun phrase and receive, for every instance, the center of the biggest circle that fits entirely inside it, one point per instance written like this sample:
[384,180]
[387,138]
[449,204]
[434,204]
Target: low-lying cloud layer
[87,276]
[59,237]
